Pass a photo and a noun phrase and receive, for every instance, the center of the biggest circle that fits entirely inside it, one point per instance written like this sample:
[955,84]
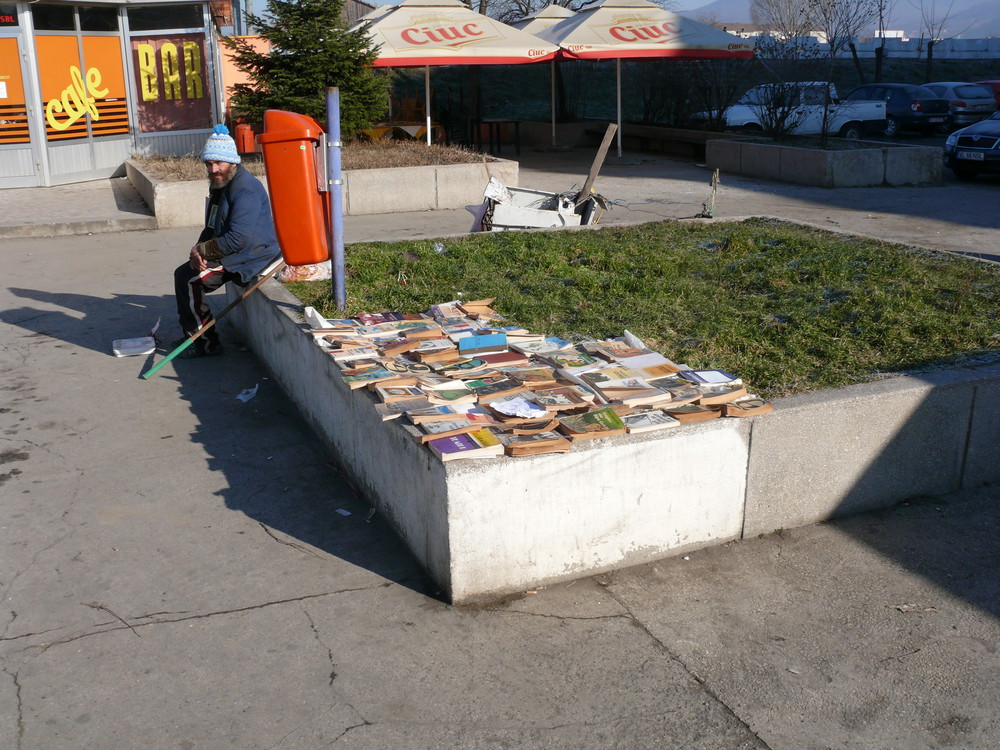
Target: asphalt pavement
[186,568]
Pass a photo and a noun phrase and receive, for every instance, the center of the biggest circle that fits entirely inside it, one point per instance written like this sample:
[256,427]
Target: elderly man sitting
[237,243]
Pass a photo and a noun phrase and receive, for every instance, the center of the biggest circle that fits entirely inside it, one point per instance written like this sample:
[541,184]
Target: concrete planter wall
[491,527]
[874,164]
[366,191]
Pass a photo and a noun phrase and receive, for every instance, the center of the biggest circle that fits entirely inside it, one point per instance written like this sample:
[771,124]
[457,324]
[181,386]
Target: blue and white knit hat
[220,147]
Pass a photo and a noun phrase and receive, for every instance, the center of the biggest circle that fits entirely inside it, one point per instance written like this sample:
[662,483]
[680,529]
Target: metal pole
[336,186]
[427,100]
[618,80]
[552,96]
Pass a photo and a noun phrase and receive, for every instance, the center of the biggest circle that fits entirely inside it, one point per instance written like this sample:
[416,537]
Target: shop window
[152,18]
[98,19]
[8,14]
[53,17]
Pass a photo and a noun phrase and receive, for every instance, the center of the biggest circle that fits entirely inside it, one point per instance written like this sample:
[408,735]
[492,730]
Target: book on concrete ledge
[369,376]
[394,409]
[532,445]
[592,424]
[560,399]
[693,413]
[448,428]
[648,421]
[391,393]
[483,343]
[712,396]
[747,407]
[479,444]
[710,377]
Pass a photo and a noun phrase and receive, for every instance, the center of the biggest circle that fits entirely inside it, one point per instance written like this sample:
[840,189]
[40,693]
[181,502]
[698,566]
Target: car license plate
[935,119]
[972,155]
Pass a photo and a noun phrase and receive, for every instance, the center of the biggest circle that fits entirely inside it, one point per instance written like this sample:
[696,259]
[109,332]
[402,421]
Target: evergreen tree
[310,50]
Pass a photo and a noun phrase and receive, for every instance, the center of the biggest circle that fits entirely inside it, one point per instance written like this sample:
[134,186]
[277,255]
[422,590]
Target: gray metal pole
[336,228]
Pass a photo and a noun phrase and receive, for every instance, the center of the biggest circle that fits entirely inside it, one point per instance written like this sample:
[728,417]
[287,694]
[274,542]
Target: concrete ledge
[875,163]
[487,528]
[366,191]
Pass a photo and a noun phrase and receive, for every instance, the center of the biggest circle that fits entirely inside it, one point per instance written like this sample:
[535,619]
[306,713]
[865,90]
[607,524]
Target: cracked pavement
[176,573]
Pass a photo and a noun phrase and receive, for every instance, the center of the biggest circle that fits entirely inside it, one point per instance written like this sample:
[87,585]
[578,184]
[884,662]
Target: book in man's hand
[479,444]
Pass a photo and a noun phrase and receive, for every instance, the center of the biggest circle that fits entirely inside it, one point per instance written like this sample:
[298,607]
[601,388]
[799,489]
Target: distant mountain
[969,19]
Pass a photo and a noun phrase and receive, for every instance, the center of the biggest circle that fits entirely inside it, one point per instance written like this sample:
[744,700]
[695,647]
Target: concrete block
[912,165]
[856,167]
[517,523]
[760,160]
[723,155]
[804,166]
[493,527]
[365,191]
[859,448]
[460,185]
[410,189]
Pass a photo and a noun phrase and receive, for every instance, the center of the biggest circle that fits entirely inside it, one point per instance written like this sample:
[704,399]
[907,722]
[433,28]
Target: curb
[71,228]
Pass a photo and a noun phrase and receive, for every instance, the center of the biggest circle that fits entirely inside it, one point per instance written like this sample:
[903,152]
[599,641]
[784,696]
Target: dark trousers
[190,287]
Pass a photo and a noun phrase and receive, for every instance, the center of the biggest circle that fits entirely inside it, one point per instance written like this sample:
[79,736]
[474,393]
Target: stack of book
[467,386]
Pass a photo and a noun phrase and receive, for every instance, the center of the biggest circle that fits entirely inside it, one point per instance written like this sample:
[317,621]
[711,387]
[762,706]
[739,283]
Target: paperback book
[478,444]
[599,423]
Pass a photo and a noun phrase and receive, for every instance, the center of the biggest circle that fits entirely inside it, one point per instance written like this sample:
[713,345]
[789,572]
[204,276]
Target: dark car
[993,85]
[974,149]
[906,107]
[970,102]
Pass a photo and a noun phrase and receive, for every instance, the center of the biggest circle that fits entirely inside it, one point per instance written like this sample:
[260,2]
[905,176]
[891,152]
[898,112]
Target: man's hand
[197,262]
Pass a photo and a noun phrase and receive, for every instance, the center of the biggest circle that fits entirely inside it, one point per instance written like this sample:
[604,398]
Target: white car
[807,100]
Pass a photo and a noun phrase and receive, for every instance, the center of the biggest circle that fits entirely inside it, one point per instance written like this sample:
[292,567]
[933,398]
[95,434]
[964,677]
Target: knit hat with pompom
[220,147]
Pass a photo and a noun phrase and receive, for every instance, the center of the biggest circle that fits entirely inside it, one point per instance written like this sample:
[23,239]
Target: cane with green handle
[277,266]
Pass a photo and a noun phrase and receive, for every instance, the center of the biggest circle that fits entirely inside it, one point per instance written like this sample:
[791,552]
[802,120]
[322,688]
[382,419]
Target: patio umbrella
[422,33]
[638,29]
[547,17]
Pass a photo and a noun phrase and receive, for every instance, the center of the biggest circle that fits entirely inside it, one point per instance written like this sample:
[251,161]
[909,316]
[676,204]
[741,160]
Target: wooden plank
[602,152]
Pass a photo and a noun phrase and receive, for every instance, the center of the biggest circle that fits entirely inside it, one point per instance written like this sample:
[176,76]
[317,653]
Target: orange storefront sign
[76,91]
[13,110]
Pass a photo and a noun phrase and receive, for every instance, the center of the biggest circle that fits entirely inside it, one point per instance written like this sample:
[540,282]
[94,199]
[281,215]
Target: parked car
[846,119]
[993,84]
[907,107]
[975,149]
[970,102]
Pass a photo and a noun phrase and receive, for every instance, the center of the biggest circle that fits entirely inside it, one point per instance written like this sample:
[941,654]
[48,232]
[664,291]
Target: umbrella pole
[427,100]
[552,96]
[618,82]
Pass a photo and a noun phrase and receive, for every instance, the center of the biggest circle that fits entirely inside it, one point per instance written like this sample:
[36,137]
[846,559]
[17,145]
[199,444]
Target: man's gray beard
[212,184]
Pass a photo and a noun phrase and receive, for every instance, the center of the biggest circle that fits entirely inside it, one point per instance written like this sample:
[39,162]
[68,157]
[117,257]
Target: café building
[85,86]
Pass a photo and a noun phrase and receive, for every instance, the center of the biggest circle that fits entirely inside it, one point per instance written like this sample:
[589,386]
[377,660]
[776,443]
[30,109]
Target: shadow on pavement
[276,471]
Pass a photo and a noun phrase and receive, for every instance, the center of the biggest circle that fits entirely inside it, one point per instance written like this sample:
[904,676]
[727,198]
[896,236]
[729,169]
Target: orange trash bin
[290,145]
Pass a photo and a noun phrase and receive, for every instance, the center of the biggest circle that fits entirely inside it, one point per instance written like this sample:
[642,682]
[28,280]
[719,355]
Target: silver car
[970,102]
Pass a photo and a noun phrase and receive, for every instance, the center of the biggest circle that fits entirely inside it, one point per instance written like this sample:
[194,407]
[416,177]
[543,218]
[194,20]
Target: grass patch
[788,308]
[359,155]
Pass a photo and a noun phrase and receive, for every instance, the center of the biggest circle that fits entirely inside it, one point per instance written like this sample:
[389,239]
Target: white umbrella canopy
[548,16]
[421,33]
[639,29]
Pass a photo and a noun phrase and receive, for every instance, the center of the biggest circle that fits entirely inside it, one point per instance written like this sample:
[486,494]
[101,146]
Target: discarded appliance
[506,208]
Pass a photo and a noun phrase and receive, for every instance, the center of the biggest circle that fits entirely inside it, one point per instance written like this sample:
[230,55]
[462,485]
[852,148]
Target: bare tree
[783,20]
[934,18]
[884,10]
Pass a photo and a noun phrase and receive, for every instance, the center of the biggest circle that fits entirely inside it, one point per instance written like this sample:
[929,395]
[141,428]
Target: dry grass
[378,155]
